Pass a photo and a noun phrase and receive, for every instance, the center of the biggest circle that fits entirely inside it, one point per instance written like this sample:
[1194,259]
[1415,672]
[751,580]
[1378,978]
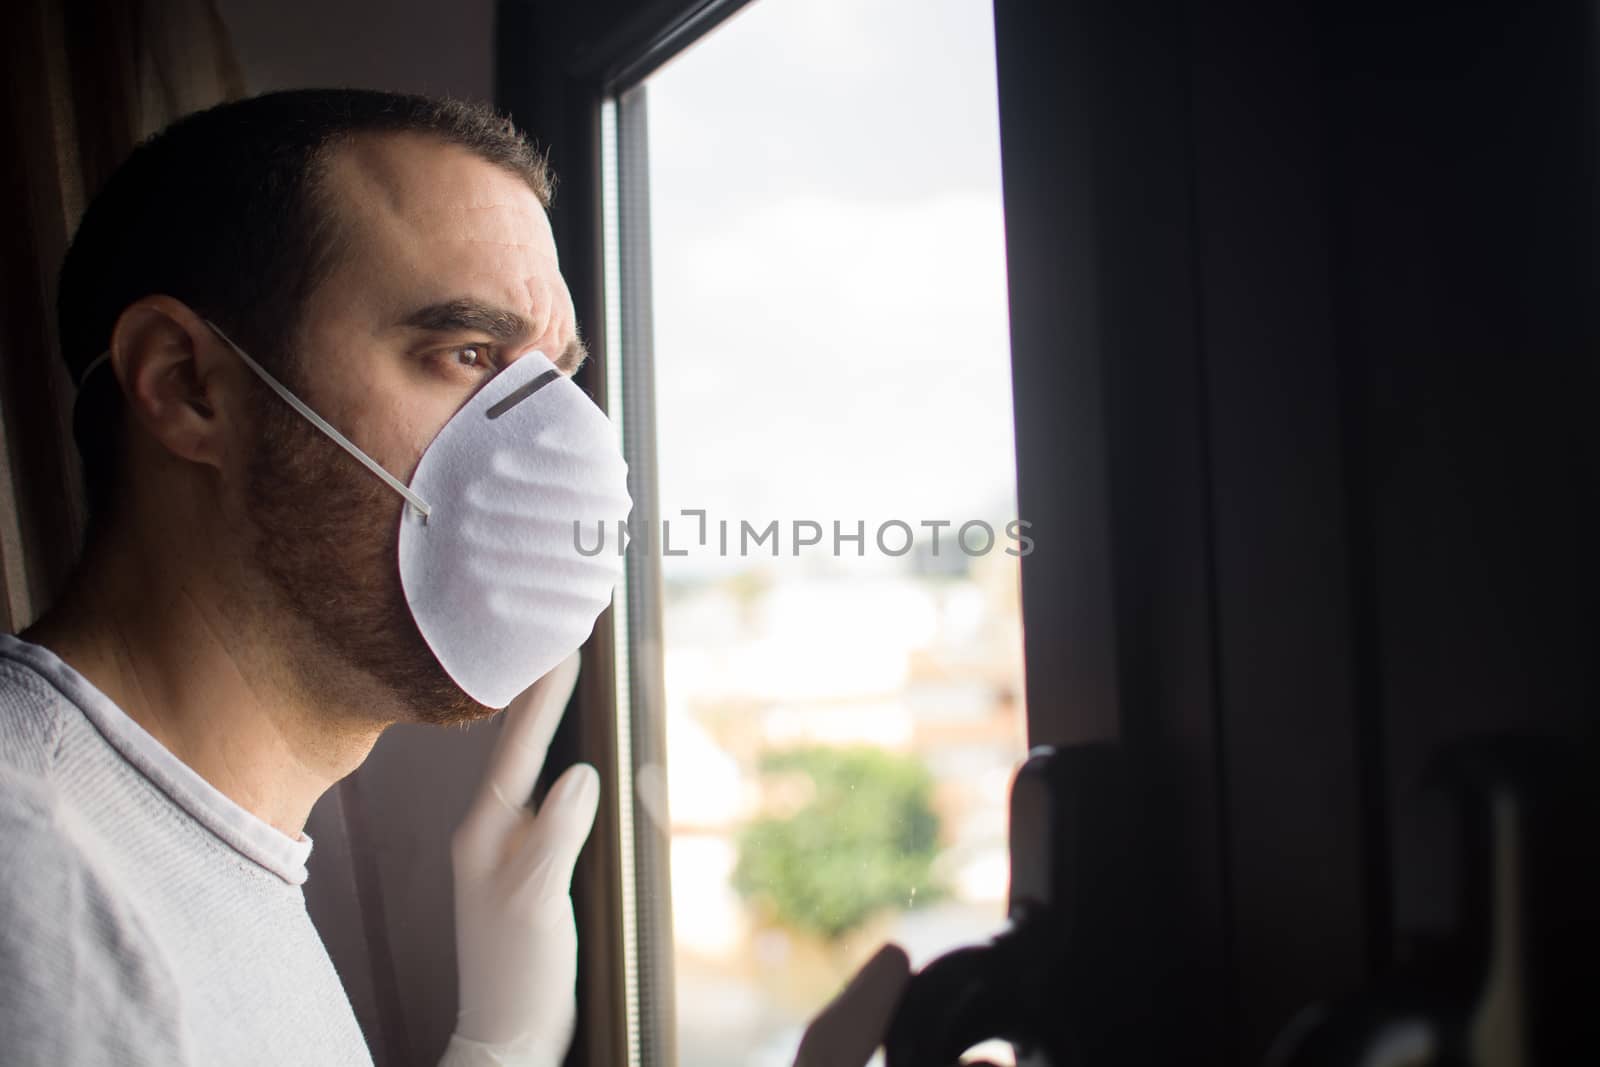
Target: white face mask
[489,554]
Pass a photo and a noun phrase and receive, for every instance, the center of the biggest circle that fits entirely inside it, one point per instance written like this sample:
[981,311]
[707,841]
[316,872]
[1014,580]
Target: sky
[828,263]
[831,344]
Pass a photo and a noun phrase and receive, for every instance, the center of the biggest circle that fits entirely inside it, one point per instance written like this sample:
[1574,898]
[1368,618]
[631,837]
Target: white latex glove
[516,940]
[853,1025]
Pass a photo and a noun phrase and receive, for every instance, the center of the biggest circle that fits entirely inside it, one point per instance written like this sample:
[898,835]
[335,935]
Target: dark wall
[417,46]
[1463,147]
[1305,341]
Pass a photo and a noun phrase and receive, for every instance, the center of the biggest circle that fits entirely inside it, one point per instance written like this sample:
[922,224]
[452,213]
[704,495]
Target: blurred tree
[862,838]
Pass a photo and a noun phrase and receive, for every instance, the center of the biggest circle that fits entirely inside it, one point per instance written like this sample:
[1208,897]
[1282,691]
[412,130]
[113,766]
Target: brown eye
[472,356]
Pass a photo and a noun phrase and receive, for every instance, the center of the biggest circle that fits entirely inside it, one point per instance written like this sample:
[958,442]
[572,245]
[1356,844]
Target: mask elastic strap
[416,502]
[93,366]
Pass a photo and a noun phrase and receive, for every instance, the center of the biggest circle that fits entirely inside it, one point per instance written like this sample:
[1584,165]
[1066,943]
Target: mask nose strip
[517,396]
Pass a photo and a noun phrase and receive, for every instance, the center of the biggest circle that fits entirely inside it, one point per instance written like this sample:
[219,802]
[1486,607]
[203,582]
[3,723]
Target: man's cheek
[420,436]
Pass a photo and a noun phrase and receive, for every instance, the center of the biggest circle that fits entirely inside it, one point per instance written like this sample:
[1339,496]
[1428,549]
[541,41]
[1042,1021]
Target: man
[278,310]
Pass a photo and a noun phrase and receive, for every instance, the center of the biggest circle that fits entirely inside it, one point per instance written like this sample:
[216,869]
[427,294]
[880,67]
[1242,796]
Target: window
[819,656]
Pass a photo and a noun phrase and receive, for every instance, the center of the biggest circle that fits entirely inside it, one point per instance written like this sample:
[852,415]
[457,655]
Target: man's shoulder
[46,859]
[43,831]
[66,936]
[28,804]
[56,868]
[35,822]
[54,895]
[32,716]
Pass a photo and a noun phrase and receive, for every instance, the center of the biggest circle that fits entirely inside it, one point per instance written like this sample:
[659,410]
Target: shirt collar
[246,832]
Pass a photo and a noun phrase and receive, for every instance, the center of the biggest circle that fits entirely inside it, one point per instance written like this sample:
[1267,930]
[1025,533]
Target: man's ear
[176,377]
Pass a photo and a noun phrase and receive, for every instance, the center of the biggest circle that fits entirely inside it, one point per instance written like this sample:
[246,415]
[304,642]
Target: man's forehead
[421,219]
[418,187]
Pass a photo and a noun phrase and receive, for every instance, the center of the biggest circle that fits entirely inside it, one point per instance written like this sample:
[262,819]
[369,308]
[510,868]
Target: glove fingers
[852,1026]
[543,858]
[518,757]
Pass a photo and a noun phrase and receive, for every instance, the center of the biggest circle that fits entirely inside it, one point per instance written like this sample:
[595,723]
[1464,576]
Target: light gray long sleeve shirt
[145,918]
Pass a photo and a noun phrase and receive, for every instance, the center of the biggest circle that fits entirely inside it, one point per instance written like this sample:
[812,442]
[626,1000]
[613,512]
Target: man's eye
[472,356]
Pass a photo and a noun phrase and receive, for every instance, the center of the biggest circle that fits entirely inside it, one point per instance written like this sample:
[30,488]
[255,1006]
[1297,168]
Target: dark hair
[226,210]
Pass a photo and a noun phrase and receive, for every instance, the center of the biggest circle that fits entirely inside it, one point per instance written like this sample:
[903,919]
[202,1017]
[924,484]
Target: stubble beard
[328,542]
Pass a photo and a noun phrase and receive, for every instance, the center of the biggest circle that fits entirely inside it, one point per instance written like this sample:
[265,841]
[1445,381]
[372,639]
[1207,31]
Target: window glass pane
[841,637]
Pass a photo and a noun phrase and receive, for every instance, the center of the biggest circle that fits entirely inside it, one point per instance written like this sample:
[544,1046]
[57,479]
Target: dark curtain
[85,81]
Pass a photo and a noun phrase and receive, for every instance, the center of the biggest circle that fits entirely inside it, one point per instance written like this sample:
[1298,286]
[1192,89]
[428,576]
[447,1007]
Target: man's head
[381,255]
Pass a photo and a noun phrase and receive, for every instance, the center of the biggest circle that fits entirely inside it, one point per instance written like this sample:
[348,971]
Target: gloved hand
[516,940]
[852,1026]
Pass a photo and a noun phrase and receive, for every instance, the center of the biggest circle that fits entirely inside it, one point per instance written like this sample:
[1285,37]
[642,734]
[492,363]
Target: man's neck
[207,679]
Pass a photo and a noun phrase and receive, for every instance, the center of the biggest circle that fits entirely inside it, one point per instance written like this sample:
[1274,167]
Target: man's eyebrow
[454,315]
